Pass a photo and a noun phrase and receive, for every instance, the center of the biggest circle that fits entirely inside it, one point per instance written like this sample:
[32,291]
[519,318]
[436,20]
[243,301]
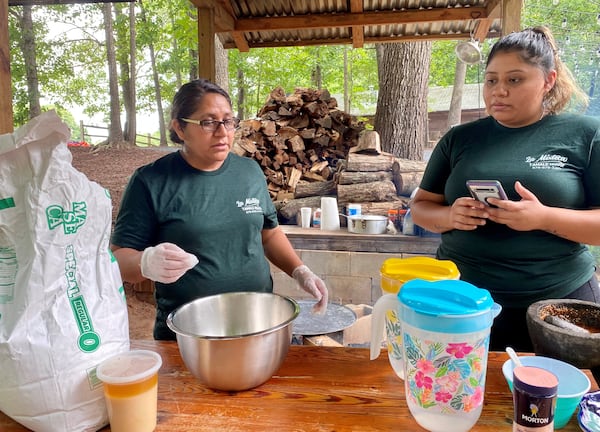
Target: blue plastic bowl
[572,384]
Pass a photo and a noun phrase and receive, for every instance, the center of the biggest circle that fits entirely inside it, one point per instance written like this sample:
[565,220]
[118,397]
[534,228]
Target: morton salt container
[534,399]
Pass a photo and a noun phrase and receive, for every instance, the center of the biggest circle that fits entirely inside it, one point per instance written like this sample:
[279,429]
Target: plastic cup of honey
[130,381]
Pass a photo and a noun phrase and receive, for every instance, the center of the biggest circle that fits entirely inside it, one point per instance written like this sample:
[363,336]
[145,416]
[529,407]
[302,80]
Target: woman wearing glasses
[200,221]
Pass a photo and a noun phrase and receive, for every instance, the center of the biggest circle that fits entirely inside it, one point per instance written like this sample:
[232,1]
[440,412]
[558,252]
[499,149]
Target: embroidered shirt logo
[547,162]
[251,205]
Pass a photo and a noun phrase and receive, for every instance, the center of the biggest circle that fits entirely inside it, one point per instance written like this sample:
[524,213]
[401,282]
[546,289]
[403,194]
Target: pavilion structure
[247,24]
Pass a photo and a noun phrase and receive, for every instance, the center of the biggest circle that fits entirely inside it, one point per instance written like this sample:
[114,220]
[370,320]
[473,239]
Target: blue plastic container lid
[447,306]
[445,297]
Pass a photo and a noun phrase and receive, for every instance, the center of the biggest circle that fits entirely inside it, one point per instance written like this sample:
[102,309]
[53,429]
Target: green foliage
[262,70]
[576,28]
[72,60]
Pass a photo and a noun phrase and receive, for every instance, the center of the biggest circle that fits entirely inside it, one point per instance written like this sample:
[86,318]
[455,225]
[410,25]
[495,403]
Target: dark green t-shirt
[217,216]
[558,159]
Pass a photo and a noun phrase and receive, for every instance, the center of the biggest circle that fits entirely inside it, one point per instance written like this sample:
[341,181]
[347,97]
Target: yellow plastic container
[396,271]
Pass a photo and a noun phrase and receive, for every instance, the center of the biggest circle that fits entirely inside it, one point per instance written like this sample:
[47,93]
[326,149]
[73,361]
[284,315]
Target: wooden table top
[316,389]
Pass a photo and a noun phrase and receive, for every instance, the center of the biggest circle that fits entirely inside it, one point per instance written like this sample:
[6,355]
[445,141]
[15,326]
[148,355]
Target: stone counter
[348,263]
[342,240]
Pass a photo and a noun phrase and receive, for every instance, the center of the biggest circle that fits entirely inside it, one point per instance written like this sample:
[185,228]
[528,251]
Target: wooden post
[206,44]
[511,16]
[6,111]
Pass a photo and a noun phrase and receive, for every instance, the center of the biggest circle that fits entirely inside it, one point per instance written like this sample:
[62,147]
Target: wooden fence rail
[87,132]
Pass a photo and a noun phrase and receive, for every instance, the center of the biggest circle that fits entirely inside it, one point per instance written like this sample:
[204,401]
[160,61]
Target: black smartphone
[481,190]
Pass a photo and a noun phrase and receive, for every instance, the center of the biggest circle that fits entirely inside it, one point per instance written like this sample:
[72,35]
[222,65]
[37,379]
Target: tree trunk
[193,53]
[132,113]
[177,66]
[454,113]
[28,49]
[157,92]
[401,117]
[126,46]
[347,82]
[115,131]
[221,65]
[241,94]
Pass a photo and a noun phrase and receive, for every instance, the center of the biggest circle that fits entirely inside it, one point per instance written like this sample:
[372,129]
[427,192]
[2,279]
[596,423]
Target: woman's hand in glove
[166,262]
[313,285]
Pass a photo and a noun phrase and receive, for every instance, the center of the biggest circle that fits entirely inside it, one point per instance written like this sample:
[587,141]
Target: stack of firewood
[308,149]
[301,136]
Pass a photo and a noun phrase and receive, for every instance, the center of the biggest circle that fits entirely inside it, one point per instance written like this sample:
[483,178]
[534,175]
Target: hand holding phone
[481,190]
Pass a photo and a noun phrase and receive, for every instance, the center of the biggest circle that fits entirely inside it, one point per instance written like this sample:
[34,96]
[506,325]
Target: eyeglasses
[213,125]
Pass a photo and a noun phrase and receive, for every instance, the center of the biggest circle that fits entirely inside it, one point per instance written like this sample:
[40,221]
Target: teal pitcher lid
[445,297]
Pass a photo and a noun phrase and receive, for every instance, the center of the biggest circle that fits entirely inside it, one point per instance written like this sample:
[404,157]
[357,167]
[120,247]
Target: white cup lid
[128,367]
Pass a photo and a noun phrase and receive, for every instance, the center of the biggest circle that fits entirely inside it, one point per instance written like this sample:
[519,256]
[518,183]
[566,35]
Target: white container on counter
[330,214]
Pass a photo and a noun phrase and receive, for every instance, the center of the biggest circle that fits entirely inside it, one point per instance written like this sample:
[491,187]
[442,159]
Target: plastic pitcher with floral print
[445,328]
[394,273]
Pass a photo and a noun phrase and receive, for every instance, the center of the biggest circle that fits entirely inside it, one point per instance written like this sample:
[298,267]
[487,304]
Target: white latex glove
[166,262]
[312,284]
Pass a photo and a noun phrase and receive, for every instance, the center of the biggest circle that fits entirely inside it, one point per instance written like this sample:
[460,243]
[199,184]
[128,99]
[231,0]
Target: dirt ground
[111,168]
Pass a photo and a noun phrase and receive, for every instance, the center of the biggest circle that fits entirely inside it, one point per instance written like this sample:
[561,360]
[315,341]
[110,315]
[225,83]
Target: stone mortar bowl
[565,329]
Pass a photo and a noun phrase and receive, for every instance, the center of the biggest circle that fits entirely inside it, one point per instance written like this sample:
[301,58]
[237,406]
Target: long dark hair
[536,46]
[187,99]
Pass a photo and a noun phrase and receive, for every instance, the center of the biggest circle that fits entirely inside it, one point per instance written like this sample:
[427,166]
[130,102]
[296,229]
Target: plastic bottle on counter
[393,217]
[354,210]
[408,226]
[317,218]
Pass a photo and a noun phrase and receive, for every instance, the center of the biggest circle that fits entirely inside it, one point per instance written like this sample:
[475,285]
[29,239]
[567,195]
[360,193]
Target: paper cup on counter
[305,213]
[330,215]
[130,381]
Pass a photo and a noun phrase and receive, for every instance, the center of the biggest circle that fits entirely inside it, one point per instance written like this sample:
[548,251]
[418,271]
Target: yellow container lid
[427,268]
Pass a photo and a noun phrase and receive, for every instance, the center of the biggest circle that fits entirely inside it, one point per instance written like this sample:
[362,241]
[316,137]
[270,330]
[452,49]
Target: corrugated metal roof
[248,24]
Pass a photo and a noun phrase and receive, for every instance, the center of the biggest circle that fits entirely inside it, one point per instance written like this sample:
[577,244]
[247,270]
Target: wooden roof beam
[375,18]
[482,29]
[61,2]
[494,11]
[348,40]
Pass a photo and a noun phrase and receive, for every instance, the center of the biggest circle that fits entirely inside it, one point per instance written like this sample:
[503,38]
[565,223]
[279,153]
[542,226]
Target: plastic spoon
[514,357]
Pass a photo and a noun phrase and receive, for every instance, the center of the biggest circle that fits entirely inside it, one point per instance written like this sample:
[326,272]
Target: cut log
[363,162]
[407,182]
[367,192]
[368,143]
[313,177]
[407,165]
[294,178]
[296,143]
[321,188]
[284,196]
[319,166]
[290,209]
[353,177]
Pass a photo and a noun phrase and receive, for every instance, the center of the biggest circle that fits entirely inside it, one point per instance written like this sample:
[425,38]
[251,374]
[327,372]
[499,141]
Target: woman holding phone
[531,246]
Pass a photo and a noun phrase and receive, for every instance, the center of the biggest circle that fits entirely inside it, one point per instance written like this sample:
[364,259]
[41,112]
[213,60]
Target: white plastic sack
[62,304]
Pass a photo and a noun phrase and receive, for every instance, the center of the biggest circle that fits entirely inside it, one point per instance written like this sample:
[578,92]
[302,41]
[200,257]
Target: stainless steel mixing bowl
[234,341]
